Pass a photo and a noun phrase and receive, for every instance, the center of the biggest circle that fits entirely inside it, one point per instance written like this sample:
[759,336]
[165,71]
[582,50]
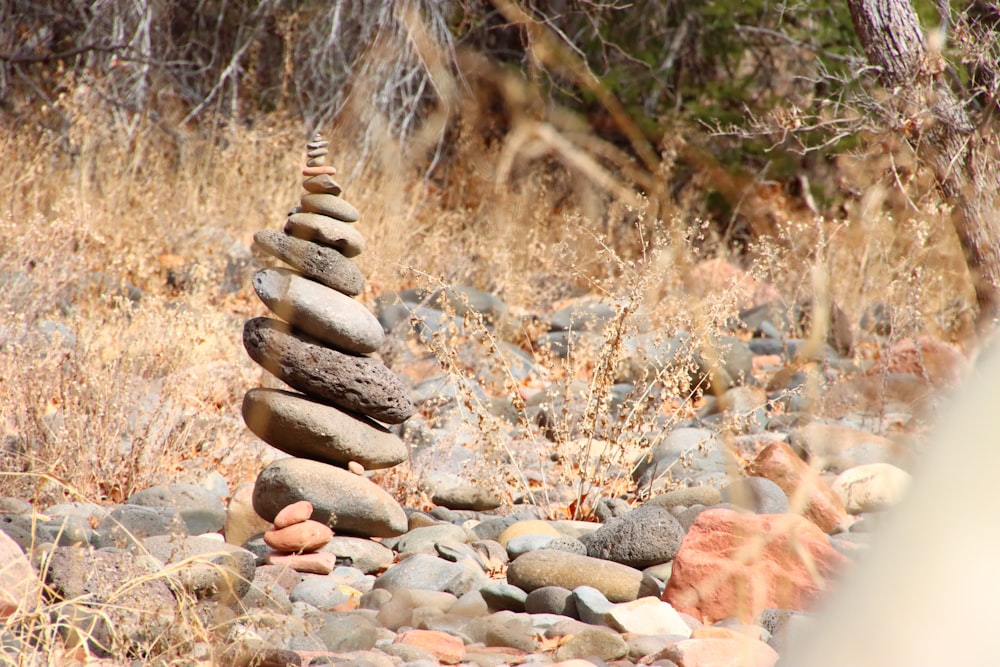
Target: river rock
[324,265]
[648,535]
[872,487]
[322,184]
[320,229]
[19,585]
[358,384]
[546,567]
[201,509]
[207,568]
[321,312]
[303,536]
[342,500]
[329,205]
[303,427]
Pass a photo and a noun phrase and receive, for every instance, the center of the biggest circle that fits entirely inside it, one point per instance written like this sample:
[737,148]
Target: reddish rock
[806,490]
[734,652]
[939,363]
[20,589]
[297,512]
[733,564]
[307,535]
[717,276]
[321,562]
[449,649]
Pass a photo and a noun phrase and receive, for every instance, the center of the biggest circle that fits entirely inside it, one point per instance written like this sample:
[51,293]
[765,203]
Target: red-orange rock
[806,490]
[734,652]
[306,536]
[717,276]
[733,564]
[941,364]
[295,513]
[449,649]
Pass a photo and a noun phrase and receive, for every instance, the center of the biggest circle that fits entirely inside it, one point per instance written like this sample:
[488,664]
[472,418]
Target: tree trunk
[937,123]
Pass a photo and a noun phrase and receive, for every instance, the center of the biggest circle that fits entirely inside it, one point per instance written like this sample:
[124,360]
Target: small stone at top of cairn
[320,344]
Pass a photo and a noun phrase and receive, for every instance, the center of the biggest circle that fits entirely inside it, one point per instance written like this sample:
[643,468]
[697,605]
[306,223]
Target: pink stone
[733,564]
[449,649]
[295,513]
[780,464]
[314,563]
[306,536]
[721,653]
[319,169]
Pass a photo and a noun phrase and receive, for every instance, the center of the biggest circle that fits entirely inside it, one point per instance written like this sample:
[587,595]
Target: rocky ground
[732,518]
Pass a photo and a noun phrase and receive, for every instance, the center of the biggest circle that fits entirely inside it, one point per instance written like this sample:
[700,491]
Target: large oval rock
[302,427]
[344,501]
[321,312]
[648,535]
[733,564]
[205,567]
[548,567]
[201,509]
[327,232]
[683,454]
[358,384]
[324,265]
[330,206]
[428,572]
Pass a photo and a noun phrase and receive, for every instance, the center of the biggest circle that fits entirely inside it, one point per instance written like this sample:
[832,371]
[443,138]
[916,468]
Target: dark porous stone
[346,502]
[357,384]
[645,536]
[201,509]
[324,265]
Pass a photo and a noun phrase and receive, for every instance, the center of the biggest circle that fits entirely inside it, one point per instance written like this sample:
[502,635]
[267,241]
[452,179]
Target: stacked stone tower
[332,424]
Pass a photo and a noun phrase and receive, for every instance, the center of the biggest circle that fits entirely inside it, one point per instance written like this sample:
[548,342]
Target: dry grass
[106,396]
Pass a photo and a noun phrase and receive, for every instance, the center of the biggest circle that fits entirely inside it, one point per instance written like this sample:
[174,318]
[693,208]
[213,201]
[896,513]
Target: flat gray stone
[326,231]
[648,535]
[547,567]
[501,596]
[201,509]
[683,454]
[344,501]
[206,568]
[360,553]
[129,524]
[303,427]
[591,605]
[316,262]
[466,498]
[757,494]
[357,384]
[323,313]
[425,538]
[329,205]
[426,572]
[551,600]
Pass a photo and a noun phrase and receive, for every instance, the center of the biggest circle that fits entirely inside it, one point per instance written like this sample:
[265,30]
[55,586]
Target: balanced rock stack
[321,347]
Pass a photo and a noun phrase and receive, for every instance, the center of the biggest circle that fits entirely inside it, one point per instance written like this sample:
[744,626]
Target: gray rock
[609,508]
[134,608]
[757,494]
[322,592]
[683,454]
[358,384]
[463,300]
[208,569]
[466,498]
[325,314]
[398,611]
[568,544]
[201,509]
[427,572]
[30,530]
[345,632]
[600,643]
[324,265]
[344,501]
[329,205]
[545,567]
[522,544]
[365,555]
[646,536]
[500,597]
[322,184]
[551,600]
[129,524]
[694,495]
[326,231]
[425,538]
[211,257]
[591,605]
[516,632]
[303,427]
[587,315]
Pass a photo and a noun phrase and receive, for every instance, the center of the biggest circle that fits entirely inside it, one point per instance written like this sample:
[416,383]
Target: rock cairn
[321,347]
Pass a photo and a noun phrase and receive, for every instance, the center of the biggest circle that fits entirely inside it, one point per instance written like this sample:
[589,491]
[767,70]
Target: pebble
[331,206]
[303,536]
[201,510]
[317,562]
[242,522]
[648,535]
[325,314]
[428,572]
[757,494]
[319,229]
[647,616]
[466,497]
[321,184]
[872,487]
[293,514]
